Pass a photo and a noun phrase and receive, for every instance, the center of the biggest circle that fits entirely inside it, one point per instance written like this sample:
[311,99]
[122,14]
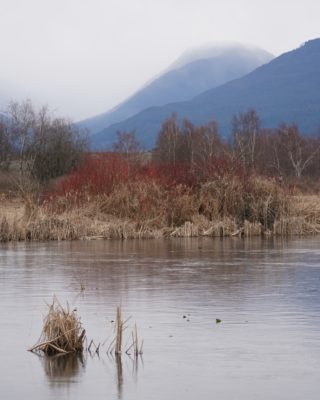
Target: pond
[265,292]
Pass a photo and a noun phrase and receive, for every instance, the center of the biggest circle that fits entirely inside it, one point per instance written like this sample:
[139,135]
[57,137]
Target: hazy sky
[82,57]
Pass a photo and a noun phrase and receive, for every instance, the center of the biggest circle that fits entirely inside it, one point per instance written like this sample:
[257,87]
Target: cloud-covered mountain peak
[197,70]
[219,49]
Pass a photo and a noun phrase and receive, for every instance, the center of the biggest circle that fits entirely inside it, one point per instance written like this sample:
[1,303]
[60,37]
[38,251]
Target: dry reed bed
[218,209]
[303,218]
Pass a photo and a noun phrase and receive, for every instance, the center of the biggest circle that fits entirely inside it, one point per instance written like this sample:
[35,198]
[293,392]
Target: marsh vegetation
[194,183]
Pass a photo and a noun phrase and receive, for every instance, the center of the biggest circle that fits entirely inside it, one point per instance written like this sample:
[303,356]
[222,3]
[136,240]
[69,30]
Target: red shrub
[101,173]
[98,174]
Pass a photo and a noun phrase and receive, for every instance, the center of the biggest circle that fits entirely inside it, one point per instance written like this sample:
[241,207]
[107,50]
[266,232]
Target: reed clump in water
[62,331]
[116,344]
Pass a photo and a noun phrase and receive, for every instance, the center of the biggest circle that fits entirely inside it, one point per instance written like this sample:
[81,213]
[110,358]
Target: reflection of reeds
[62,331]
[63,365]
[121,369]
[119,375]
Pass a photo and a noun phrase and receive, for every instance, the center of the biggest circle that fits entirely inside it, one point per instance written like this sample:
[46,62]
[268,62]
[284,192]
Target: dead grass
[303,217]
[62,331]
[256,200]
[251,208]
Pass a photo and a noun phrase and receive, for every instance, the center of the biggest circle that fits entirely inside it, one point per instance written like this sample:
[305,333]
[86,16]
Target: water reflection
[63,369]
[119,375]
[125,363]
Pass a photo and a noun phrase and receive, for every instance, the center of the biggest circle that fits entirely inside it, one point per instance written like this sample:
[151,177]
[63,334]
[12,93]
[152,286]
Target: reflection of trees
[63,367]
[145,268]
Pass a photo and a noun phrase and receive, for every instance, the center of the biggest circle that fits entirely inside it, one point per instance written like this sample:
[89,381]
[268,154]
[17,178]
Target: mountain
[287,89]
[194,72]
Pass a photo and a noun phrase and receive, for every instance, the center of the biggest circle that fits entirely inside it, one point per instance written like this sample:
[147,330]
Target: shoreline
[20,223]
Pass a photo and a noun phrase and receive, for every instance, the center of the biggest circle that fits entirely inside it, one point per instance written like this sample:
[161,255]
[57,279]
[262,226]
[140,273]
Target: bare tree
[58,148]
[127,143]
[22,119]
[245,131]
[169,140]
[298,152]
[43,147]
[208,143]
[6,148]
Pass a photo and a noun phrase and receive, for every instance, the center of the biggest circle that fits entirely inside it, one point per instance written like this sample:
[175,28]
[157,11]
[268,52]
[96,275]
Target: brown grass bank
[221,208]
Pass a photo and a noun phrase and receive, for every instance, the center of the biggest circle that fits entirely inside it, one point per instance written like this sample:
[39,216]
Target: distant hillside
[194,72]
[286,89]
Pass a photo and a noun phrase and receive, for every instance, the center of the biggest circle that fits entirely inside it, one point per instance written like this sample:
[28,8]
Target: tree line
[37,146]
[284,152]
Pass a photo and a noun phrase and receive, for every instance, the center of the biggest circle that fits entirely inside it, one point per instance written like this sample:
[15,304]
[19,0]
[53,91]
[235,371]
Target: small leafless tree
[245,130]
[127,143]
[298,151]
[22,119]
[168,141]
[6,148]
[208,143]
[129,148]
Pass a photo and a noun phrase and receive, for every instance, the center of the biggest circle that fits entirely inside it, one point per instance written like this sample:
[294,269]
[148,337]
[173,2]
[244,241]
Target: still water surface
[267,294]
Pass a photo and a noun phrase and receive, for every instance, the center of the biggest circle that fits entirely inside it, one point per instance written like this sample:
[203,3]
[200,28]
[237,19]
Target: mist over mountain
[283,90]
[195,71]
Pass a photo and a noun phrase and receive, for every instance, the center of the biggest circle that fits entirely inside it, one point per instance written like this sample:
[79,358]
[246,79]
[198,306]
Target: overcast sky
[82,57]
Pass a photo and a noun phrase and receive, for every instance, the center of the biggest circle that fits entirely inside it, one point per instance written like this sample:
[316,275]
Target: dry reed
[137,347]
[62,331]
[119,331]
[116,344]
